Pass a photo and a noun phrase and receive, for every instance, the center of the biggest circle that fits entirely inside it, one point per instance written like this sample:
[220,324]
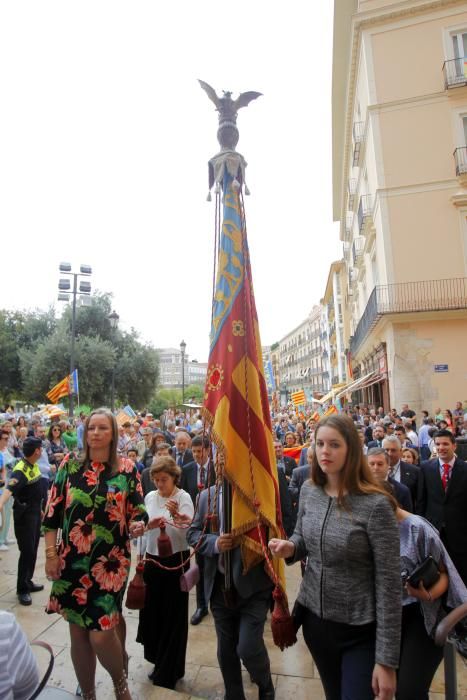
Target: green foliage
[60,586]
[35,355]
[196,391]
[103,534]
[81,564]
[106,602]
[165,398]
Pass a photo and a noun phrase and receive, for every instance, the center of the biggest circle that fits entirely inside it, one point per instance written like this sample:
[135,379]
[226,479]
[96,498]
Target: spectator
[19,675]
[350,601]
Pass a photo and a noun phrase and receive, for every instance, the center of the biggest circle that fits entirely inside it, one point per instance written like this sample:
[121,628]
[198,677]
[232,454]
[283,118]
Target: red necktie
[445,476]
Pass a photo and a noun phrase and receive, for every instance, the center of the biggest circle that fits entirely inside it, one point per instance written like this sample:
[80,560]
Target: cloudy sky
[105,137]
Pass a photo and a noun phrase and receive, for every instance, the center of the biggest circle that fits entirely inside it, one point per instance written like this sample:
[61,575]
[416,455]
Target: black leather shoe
[24,598]
[198,615]
[35,587]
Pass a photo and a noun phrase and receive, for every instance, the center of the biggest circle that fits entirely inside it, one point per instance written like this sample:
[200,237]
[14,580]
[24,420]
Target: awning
[331,394]
[374,380]
[356,384]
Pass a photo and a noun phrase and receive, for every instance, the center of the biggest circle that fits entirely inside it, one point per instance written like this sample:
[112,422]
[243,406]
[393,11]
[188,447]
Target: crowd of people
[368,497]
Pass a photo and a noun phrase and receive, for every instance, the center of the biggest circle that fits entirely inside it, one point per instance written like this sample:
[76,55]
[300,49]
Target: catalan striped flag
[67,386]
[332,409]
[298,398]
[59,390]
[293,452]
[236,399]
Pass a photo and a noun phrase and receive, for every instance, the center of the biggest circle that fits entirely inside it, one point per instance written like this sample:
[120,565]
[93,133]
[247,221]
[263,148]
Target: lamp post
[64,289]
[113,318]
[182,351]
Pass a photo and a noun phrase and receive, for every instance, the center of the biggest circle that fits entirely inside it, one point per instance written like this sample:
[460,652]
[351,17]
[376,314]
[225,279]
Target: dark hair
[201,441]
[52,428]
[445,433]
[30,445]
[113,460]
[400,429]
[357,476]
[166,465]
[132,449]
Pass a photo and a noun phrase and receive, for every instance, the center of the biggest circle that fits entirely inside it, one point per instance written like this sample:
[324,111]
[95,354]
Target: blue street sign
[441,368]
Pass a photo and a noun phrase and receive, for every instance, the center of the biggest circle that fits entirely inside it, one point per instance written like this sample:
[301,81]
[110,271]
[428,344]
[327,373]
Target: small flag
[329,412]
[298,398]
[59,390]
[129,411]
[338,405]
[293,452]
[74,387]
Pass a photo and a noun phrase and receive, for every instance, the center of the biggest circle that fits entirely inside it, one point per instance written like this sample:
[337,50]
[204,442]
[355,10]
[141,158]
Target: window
[464,124]
[459,44]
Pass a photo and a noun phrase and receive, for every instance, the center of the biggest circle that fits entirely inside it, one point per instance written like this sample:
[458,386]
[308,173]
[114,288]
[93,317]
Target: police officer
[25,487]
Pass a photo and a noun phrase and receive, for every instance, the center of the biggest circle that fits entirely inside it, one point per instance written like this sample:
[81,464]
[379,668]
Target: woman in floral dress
[96,501]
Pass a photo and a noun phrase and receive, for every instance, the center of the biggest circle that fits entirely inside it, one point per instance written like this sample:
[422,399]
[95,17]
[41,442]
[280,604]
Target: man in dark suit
[378,461]
[196,476]
[181,451]
[287,464]
[443,498]
[240,625]
[402,472]
[379,434]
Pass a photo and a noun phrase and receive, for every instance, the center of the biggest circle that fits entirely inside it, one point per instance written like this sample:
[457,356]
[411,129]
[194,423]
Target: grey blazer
[353,567]
[255,581]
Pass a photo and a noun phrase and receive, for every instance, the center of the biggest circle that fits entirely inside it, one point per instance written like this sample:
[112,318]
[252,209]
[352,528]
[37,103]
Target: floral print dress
[93,507]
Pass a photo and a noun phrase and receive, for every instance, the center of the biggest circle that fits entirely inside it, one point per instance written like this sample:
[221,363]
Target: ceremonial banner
[298,398]
[236,400]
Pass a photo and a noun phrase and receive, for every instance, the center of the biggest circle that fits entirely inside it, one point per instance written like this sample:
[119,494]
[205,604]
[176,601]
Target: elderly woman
[163,623]
[96,500]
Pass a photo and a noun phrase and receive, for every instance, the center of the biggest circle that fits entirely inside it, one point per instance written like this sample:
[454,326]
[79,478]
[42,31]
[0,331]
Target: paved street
[293,671]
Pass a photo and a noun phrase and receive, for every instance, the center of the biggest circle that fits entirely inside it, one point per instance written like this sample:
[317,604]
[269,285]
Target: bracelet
[52,556]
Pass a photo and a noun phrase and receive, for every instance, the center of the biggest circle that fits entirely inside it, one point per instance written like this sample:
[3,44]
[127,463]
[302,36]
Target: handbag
[427,573]
[189,578]
[136,593]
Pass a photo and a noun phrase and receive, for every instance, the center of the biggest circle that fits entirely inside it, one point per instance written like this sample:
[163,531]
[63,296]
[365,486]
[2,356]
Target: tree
[35,355]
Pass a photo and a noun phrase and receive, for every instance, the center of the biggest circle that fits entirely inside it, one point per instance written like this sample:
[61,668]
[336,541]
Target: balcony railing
[455,72]
[357,250]
[358,138]
[409,297]
[460,159]
[351,191]
[348,226]
[365,210]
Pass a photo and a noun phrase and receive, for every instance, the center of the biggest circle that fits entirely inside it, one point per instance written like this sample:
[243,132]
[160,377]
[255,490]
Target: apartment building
[334,310]
[170,367]
[300,356]
[400,194]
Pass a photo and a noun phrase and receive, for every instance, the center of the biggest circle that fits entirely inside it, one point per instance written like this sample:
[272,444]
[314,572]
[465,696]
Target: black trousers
[420,657]
[200,597]
[240,638]
[27,531]
[344,655]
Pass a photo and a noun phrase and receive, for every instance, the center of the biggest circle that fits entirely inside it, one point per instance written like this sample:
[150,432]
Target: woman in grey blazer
[350,596]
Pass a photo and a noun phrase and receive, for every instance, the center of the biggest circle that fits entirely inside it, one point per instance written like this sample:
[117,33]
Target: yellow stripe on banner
[238,378]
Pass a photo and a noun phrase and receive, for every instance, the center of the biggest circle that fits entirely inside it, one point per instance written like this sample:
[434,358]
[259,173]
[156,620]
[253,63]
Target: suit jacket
[289,465]
[374,443]
[147,484]
[299,476]
[288,516]
[187,456]
[410,475]
[446,510]
[402,495]
[255,581]
[189,481]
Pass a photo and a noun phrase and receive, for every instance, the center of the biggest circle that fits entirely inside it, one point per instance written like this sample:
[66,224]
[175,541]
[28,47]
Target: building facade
[300,357]
[334,310]
[170,367]
[400,194]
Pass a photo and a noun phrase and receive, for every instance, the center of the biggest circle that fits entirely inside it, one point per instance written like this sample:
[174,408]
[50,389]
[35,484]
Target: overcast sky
[105,137]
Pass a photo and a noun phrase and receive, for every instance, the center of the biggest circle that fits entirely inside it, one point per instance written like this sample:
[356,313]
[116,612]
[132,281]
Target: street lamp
[182,350]
[113,318]
[64,289]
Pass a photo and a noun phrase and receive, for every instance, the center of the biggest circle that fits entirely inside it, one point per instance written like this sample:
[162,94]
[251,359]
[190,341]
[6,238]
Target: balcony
[409,297]
[365,212]
[460,159]
[455,72]
[357,250]
[351,192]
[348,226]
[358,139]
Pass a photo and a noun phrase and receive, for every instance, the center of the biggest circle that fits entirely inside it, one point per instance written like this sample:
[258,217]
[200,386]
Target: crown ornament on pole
[228,135]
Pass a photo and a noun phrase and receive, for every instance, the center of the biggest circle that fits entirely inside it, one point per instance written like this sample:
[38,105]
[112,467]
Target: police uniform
[26,488]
